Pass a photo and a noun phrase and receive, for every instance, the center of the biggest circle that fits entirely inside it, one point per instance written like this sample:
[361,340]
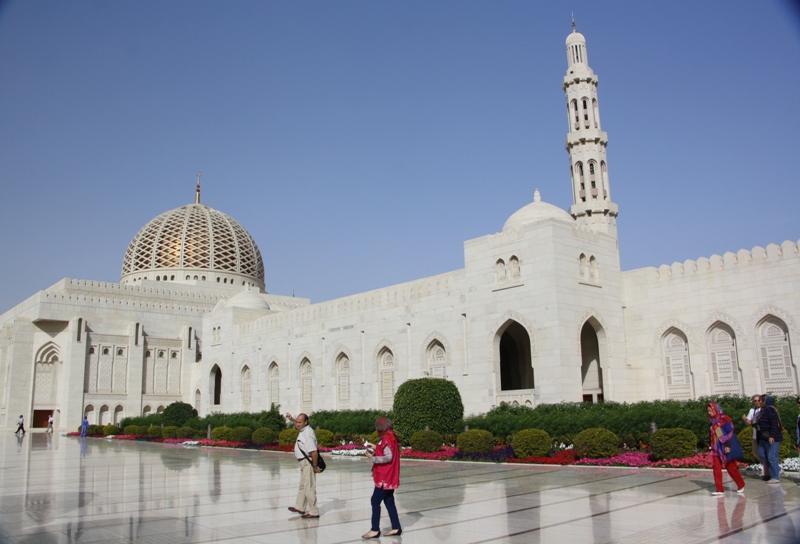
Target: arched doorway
[516,371]
[591,372]
[216,385]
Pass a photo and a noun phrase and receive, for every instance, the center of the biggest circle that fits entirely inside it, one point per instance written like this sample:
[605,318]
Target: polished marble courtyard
[61,489]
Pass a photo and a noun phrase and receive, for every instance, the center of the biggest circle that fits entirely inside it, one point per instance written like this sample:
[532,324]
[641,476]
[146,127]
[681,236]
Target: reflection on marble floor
[57,489]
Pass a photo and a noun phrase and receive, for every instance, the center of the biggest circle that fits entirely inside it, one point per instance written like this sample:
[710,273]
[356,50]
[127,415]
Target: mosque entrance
[40,418]
[516,371]
[591,372]
[216,384]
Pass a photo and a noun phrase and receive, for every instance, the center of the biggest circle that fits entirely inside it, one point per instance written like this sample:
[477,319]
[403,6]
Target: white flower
[190,443]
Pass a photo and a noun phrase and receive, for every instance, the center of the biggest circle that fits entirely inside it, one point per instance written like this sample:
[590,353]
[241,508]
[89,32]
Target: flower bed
[445,453]
[564,457]
[627,459]
[500,454]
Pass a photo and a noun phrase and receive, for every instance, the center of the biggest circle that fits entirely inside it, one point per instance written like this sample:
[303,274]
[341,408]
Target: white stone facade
[540,313]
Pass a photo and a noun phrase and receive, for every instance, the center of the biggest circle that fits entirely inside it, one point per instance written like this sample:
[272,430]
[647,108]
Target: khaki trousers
[307,493]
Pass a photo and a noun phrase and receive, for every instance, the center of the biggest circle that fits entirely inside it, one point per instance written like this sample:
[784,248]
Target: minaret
[586,143]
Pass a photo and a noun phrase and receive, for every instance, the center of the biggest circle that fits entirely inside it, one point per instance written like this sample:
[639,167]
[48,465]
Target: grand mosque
[540,313]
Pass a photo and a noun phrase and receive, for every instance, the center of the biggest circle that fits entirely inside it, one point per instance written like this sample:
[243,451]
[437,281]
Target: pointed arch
[215,385]
[436,363]
[342,367]
[274,382]
[119,414]
[776,365]
[197,400]
[512,348]
[678,378]
[386,365]
[45,374]
[593,350]
[726,376]
[306,384]
[246,382]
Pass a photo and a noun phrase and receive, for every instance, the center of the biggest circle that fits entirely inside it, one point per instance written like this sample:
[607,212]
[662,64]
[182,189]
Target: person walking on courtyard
[305,451]
[84,426]
[20,425]
[725,448]
[751,419]
[385,459]
[50,423]
[770,434]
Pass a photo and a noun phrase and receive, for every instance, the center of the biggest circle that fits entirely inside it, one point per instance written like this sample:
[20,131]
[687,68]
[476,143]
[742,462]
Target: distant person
[84,426]
[752,419]
[20,425]
[770,434]
[725,448]
[305,451]
[385,459]
[50,423]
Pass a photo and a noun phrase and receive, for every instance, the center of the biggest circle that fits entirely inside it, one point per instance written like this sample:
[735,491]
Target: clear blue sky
[361,143]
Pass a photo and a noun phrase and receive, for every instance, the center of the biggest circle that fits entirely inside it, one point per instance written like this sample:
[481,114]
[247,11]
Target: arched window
[593,272]
[88,413]
[592,179]
[585,113]
[604,179]
[596,112]
[725,373]
[274,384]
[386,377]
[777,369]
[576,116]
[119,414]
[305,379]
[500,271]
[579,173]
[160,409]
[513,263]
[584,269]
[437,360]
[146,410]
[246,384]
[216,385]
[342,381]
[677,372]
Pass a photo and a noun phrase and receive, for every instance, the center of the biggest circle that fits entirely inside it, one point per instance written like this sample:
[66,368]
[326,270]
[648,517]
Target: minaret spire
[586,142]
[573,22]
[197,190]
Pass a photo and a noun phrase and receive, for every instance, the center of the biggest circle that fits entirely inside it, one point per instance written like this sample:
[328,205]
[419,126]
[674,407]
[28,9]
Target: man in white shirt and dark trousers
[305,451]
[750,419]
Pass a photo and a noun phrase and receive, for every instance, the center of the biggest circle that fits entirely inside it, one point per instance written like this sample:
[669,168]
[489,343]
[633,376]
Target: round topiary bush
[241,434]
[177,414]
[264,435]
[200,434]
[324,438]
[110,429]
[130,430]
[221,433]
[673,444]
[745,437]
[428,402]
[596,443]
[427,441]
[170,431]
[95,430]
[141,430]
[475,441]
[288,437]
[154,431]
[530,443]
[184,432]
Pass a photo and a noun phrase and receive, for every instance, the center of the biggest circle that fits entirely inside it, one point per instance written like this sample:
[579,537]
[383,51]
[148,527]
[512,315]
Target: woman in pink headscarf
[386,475]
[725,448]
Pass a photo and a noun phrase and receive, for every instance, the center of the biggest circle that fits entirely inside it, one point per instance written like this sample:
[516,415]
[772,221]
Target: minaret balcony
[590,135]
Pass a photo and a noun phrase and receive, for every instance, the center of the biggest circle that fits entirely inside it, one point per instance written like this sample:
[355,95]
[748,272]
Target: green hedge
[271,418]
[154,431]
[324,438]
[288,437]
[110,429]
[221,433]
[263,435]
[596,443]
[427,441]
[184,432]
[434,403]
[240,434]
[347,421]
[631,422]
[170,431]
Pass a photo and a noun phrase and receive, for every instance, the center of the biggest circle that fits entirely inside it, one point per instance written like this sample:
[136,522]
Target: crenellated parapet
[758,256]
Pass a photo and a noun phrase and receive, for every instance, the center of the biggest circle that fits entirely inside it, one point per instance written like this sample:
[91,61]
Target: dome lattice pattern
[194,237]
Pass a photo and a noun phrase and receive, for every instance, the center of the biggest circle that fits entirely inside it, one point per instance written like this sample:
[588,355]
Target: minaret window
[575,110]
[585,113]
[604,179]
[592,179]
[582,193]
[596,112]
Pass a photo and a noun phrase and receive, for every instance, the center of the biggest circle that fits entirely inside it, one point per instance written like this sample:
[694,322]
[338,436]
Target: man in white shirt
[305,451]
[750,419]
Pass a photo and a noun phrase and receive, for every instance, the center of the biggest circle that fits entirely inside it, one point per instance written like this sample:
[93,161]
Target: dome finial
[573,22]
[537,197]
[197,191]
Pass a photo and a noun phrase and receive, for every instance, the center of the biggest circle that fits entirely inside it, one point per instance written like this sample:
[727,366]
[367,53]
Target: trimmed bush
[241,434]
[221,433]
[374,438]
[531,442]
[170,431]
[264,435]
[673,444]
[110,429]
[184,432]
[154,431]
[745,437]
[95,429]
[427,441]
[475,441]
[288,437]
[787,448]
[596,443]
[177,414]
[428,402]
[131,430]
[141,430]
[324,438]
[346,421]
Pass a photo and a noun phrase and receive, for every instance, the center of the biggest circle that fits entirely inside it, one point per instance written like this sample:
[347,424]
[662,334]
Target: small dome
[248,300]
[194,243]
[575,37]
[536,211]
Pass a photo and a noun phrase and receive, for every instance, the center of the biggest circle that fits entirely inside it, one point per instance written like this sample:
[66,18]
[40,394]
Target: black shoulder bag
[320,460]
